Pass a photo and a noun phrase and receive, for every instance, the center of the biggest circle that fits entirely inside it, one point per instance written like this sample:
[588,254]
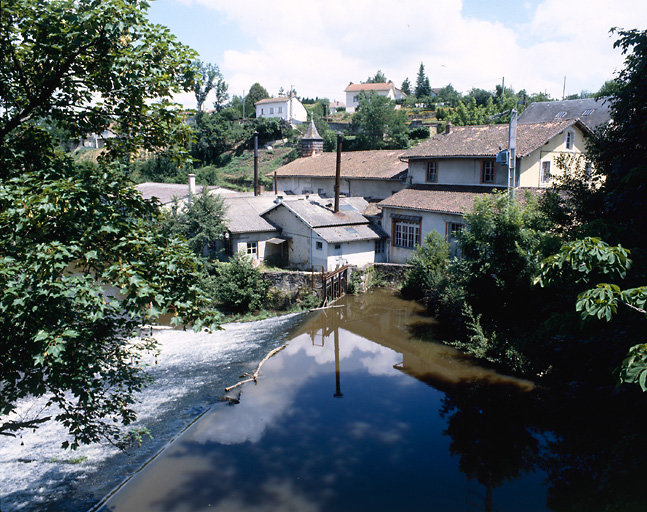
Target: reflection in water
[420,427]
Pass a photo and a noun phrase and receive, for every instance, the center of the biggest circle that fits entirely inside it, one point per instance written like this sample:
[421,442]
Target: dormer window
[487,172]
[432,172]
[570,137]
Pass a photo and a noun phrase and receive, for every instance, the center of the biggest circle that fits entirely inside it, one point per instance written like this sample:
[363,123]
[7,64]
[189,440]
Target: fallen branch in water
[327,307]
[254,377]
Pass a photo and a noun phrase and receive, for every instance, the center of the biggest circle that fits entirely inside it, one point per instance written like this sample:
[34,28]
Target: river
[361,411]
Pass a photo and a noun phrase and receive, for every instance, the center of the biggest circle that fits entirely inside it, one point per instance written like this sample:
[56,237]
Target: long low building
[374,175]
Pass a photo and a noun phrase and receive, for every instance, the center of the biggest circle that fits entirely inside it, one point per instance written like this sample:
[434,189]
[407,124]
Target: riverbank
[190,375]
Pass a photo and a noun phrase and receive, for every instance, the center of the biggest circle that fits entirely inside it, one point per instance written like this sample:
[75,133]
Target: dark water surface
[358,414]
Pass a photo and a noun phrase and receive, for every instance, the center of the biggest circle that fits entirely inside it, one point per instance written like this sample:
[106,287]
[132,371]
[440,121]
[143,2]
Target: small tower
[311,143]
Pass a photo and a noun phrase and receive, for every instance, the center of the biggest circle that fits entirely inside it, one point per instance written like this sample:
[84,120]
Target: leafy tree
[378,78]
[429,265]
[378,124]
[256,93]
[240,285]
[609,88]
[200,220]
[406,87]
[208,77]
[222,96]
[481,96]
[82,262]
[618,151]
[449,95]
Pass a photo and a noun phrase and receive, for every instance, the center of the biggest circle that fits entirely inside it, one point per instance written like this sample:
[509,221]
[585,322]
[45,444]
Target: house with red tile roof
[387,89]
[449,171]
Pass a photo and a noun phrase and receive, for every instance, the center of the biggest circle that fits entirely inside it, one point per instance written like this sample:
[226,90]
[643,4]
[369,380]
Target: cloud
[318,47]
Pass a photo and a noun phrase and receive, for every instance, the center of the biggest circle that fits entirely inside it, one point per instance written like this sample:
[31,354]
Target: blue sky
[321,46]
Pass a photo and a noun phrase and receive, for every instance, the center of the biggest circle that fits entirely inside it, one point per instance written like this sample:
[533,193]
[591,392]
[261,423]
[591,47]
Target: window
[337,247]
[280,110]
[432,172]
[262,111]
[319,246]
[559,115]
[545,172]
[570,136]
[271,110]
[252,249]
[355,100]
[487,172]
[588,112]
[406,234]
[379,246]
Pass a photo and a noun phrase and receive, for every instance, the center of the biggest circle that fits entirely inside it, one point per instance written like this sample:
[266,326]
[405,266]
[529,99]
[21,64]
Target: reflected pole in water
[338,393]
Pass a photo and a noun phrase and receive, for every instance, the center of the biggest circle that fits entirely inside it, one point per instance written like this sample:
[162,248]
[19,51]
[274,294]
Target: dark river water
[358,413]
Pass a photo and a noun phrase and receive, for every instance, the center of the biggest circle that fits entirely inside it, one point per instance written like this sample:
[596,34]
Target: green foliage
[429,265]
[240,286]
[83,263]
[423,88]
[406,87]
[200,220]
[378,78]
[609,88]
[208,77]
[378,124]
[419,132]
[256,93]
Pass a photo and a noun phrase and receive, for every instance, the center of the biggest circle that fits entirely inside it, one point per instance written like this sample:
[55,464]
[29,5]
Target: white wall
[358,253]
[239,242]
[457,171]
[291,110]
[300,235]
[351,104]
[374,189]
[430,222]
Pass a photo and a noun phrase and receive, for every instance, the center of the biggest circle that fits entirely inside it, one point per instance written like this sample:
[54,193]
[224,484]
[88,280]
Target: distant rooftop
[590,111]
[166,192]
[369,87]
[375,164]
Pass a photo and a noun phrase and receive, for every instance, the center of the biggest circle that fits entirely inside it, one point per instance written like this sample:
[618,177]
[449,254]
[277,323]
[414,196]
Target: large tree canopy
[82,262]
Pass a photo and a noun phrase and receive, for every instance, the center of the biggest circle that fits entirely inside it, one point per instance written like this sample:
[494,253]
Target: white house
[387,89]
[283,107]
[448,172]
[317,237]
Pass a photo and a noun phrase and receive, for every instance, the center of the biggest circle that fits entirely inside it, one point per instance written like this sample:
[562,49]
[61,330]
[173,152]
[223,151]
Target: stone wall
[390,275]
[290,282]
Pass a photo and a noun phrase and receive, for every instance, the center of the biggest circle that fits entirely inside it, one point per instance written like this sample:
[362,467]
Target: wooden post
[338,174]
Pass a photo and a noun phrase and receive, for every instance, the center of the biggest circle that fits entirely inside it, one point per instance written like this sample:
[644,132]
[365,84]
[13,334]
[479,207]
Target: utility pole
[502,86]
[512,150]
[243,104]
[564,89]
[257,189]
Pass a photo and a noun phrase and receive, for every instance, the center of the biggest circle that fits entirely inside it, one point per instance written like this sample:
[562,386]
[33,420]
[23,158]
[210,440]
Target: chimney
[448,128]
[256,189]
[191,184]
[337,174]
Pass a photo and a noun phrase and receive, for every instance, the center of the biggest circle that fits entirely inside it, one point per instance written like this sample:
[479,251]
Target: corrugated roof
[455,199]
[590,111]
[488,140]
[243,214]
[318,212]
[369,87]
[338,234]
[376,164]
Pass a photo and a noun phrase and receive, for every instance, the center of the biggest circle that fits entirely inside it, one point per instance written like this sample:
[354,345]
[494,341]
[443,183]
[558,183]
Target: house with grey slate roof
[592,112]
[448,172]
[318,237]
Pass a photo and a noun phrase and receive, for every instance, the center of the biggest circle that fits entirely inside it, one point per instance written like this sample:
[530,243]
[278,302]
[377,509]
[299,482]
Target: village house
[387,89]
[336,106]
[448,172]
[319,237]
[168,193]
[592,112]
[288,108]
[373,175]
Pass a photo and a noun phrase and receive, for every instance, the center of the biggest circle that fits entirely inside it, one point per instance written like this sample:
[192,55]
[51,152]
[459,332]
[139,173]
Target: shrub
[428,266]
[241,287]
[419,132]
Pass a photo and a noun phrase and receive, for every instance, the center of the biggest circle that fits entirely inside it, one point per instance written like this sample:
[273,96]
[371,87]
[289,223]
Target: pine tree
[423,89]
[406,87]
